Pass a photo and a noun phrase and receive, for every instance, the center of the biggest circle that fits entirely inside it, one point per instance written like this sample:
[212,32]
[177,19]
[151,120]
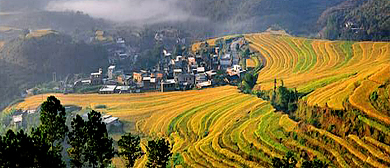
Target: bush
[100,106]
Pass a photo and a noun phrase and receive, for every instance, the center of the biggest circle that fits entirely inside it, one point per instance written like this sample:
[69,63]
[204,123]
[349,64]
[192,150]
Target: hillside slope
[220,127]
[243,16]
[32,59]
[209,128]
[357,20]
[325,69]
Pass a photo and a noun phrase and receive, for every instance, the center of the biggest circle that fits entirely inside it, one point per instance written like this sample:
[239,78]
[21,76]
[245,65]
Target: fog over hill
[137,11]
[224,17]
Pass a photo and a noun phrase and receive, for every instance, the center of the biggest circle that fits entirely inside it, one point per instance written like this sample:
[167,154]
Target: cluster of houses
[174,72]
[19,116]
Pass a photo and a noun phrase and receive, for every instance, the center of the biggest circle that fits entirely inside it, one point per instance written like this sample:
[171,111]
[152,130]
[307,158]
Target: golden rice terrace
[220,127]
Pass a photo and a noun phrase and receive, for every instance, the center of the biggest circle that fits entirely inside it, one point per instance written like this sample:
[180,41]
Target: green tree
[77,139]
[314,164]
[130,148]
[53,126]
[22,150]
[284,99]
[12,153]
[159,152]
[288,161]
[42,148]
[90,142]
[248,81]
[43,152]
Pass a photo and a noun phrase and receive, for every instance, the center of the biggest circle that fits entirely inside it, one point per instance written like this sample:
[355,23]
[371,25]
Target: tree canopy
[90,143]
[159,152]
[130,148]
[53,119]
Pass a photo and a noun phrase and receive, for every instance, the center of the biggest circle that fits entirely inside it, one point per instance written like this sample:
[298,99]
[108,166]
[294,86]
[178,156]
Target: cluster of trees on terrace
[289,161]
[90,144]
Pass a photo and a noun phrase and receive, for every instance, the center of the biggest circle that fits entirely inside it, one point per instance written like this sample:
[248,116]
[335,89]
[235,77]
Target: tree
[159,152]
[12,153]
[41,148]
[248,81]
[77,140]
[22,150]
[53,126]
[314,164]
[288,161]
[43,152]
[99,145]
[130,148]
[90,142]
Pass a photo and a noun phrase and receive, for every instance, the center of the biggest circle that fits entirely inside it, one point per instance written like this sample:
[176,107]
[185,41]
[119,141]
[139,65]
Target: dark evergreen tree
[159,152]
[288,161]
[130,148]
[21,150]
[77,139]
[91,145]
[314,164]
[53,124]
[45,156]
[99,146]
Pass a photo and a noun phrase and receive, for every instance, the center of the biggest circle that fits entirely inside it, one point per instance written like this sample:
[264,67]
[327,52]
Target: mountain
[77,24]
[299,17]
[32,59]
[367,19]
[357,20]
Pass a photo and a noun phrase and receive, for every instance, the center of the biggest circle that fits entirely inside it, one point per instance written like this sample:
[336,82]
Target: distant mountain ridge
[310,18]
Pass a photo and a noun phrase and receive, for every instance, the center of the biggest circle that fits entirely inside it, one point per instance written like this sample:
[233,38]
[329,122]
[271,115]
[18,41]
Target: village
[207,67]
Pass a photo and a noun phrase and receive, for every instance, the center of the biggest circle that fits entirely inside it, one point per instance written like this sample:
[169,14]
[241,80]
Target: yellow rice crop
[220,127]
[374,151]
[360,99]
[200,123]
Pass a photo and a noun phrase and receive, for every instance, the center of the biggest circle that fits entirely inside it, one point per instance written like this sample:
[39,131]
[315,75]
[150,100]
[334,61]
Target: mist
[135,11]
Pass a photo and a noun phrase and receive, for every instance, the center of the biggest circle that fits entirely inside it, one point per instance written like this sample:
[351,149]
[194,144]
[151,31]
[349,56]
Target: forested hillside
[331,19]
[77,24]
[298,17]
[357,20]
[30,60]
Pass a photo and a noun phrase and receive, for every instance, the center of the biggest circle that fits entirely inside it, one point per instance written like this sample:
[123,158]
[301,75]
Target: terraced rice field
[216,127]
[196,46]
[220,127]
[333,74]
